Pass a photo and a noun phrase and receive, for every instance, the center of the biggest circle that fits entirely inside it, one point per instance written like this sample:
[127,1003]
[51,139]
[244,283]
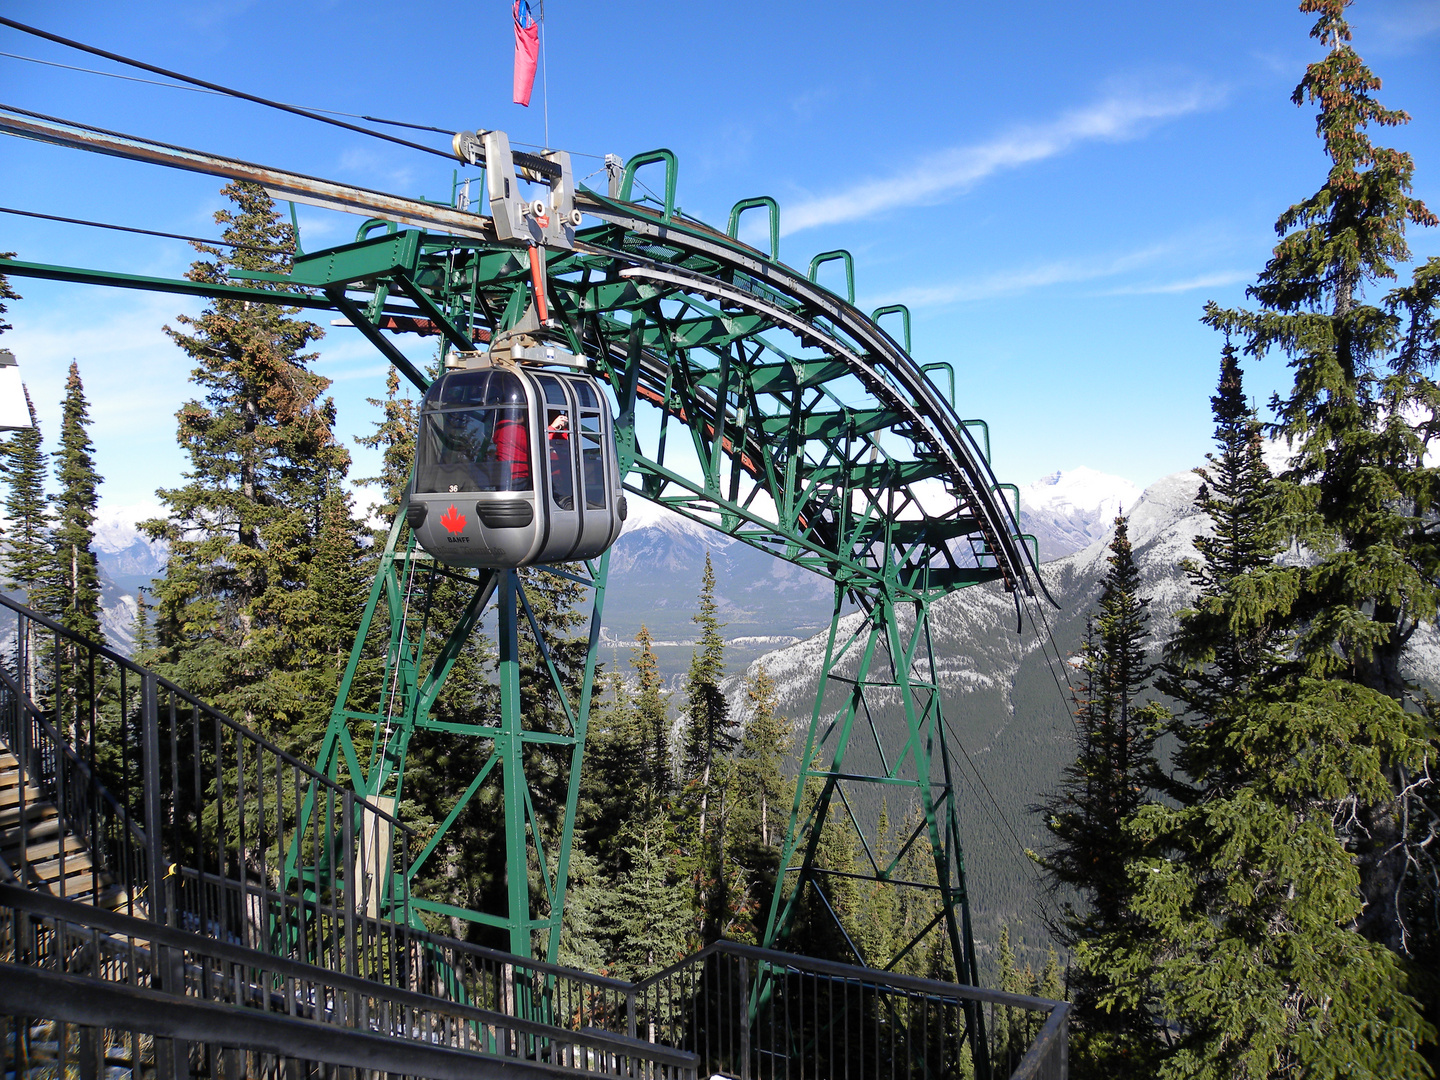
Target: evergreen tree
[652,718]
[142,629]
[612,783]
[708,775]
[646,912]
[761,810]
[28,563]
[28,557]
[1359,492]
[238,597]
[1110,779]
[707,734]
[1247,901]
[76,575]
[880,913]
[764,745]
[1219,651]
[395,435]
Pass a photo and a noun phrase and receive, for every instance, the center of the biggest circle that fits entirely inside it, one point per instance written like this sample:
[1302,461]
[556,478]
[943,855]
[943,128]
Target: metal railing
[116,870]
[185,1002]
[219,830]
[756,1013]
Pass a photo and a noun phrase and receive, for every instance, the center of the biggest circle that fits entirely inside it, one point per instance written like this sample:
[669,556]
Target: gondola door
[564,495]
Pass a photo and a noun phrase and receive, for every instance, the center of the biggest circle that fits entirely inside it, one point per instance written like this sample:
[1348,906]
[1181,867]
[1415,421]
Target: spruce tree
[238,597]
[395,435]
[646,912]
[1231,640]
[1359,419]
[707,773]
[1244,896]
[1111,777]
[652,719]
[707,734]
[27,520]
[28,559]
[76,576]
[612,782]
[764,745]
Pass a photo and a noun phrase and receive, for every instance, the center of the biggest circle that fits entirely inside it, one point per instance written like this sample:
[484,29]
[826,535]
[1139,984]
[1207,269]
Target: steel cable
[219,89]
[144,232]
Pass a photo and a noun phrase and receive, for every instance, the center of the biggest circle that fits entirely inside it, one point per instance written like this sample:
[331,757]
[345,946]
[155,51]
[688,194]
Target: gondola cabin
[515,466]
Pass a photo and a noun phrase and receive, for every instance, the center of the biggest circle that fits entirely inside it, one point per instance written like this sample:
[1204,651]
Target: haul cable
[219,89]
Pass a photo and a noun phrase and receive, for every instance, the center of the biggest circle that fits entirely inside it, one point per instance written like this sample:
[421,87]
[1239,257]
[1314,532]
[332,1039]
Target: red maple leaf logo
[452,519]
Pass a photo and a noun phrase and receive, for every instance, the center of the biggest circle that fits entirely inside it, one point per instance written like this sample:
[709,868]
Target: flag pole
[544,76]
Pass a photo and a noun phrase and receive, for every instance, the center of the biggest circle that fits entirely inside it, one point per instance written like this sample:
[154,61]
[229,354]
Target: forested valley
[1242,857]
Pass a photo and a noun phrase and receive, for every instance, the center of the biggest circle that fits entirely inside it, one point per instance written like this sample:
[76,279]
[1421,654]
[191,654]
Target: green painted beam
[798,375]
[166,285]
[365,260]
[878,474]
[833,426]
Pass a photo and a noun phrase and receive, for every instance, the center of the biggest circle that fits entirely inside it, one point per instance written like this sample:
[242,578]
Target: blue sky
[1054,189]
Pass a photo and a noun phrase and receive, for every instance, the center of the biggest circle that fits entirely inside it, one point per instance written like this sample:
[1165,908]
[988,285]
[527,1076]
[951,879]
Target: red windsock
[527,51]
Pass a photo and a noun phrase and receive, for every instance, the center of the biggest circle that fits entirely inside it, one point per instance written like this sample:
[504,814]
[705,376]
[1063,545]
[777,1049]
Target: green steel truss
[416,665]
[752,399]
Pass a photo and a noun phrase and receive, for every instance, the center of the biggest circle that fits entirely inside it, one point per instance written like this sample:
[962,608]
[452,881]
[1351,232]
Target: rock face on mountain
[1006,699]
[655,570]
[1071,509]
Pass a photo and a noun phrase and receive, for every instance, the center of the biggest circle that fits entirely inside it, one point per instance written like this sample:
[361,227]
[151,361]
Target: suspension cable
[217,93]
[312,108]
[219,89]
[144,232]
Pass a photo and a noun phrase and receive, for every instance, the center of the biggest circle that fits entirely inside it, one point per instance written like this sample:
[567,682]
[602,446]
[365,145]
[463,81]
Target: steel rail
[1000,527]
[73,999]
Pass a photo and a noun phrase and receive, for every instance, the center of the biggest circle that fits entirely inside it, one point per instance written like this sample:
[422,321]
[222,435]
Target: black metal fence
[86,989]
[56,801]
[756,1014]
[202,823]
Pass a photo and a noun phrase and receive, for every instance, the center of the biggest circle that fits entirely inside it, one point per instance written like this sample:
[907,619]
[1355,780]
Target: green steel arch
[784,417]
[780,414]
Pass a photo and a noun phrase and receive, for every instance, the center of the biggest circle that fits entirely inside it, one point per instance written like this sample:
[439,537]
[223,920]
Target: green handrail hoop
[733,231]
[363,233]
[967,424]
[844,256]
[893,309]
[941,365]
[1014,490]
[652,157]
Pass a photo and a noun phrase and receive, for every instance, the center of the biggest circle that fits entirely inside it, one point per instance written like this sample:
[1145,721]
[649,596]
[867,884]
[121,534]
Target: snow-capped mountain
[655,571]
[1070,509]
[120,547]
[1005,696]
[128,562]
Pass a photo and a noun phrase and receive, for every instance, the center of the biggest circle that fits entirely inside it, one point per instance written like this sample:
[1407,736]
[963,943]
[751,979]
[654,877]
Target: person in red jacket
[512,445]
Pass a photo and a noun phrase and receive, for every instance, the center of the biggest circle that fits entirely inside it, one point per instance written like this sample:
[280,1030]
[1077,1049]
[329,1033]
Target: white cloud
[1403,27]
[1203,281]
[135,378]
[944,175]
[1009,282]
